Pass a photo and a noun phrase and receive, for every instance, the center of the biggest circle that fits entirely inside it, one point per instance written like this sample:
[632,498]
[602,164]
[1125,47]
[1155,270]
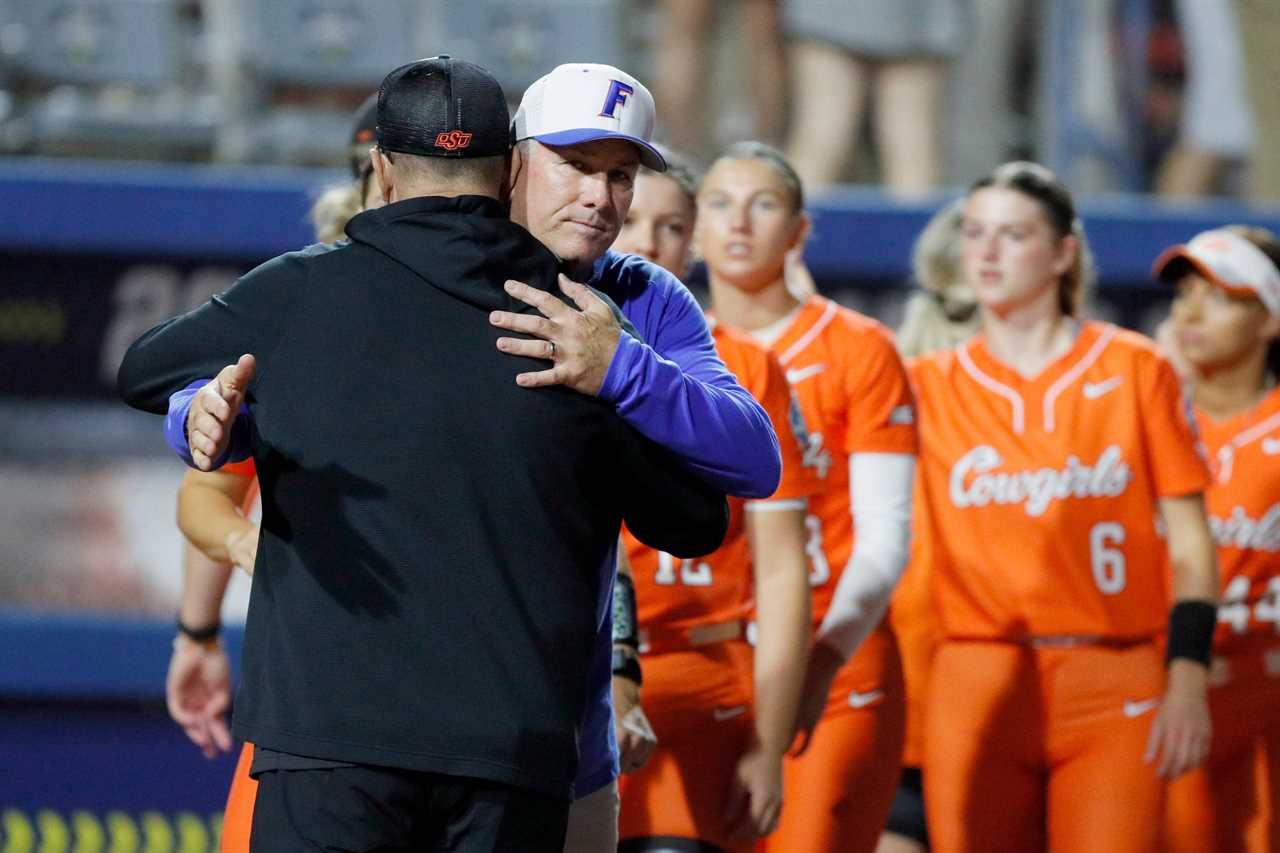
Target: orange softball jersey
[675,595]
[1243,501]
[855,398]
[1040,492]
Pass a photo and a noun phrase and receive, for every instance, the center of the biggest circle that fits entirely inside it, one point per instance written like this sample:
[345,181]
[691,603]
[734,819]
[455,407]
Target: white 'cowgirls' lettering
[1239,530]
[975,481]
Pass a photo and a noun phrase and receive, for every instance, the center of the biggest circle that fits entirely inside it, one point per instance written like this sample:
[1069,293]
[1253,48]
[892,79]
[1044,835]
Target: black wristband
[627,665]
[199,635]
[626,631]
[1191,627]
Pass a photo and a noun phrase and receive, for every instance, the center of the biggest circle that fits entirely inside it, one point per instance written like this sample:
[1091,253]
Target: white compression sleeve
[880,484]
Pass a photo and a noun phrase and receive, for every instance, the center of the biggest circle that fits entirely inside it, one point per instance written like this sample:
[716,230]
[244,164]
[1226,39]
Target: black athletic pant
[363,809]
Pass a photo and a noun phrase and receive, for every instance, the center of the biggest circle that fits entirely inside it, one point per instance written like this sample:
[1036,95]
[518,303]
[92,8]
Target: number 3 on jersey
[692,572]
[819,568]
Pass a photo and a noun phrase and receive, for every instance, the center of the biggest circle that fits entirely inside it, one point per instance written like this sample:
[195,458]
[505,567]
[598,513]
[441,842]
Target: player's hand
[755,794]
[579,343]
[636,739]
[197,690]
[1180,735]
[824,663]
[242,547]
[214,409]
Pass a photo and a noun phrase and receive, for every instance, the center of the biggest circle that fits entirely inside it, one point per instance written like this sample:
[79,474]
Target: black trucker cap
[443,107]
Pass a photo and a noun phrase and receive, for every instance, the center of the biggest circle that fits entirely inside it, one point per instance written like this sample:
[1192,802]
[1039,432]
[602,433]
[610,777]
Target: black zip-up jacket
[428,580]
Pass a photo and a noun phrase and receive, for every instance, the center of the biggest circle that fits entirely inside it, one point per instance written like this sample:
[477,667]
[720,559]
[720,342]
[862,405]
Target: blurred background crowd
[1168,96]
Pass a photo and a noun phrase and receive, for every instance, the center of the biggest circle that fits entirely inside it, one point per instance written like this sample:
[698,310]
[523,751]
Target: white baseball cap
[581,101]
[1229,261]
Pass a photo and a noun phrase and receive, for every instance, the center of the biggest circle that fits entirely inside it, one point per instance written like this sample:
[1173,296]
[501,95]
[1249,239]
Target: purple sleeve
[175,432]
[678,393]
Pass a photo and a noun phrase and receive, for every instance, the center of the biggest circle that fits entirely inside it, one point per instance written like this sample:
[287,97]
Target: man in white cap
[581,134]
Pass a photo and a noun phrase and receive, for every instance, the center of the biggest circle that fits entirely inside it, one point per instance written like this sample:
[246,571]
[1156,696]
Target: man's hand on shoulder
[214,409]
[579,343]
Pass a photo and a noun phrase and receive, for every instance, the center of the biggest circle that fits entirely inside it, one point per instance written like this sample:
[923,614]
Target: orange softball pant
[237,820]
[699,704]
[1041,748]
[839,792]
[1231,803]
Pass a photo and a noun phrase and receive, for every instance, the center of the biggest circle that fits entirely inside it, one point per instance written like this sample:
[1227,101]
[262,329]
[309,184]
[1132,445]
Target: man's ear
[511,172]
[383,169]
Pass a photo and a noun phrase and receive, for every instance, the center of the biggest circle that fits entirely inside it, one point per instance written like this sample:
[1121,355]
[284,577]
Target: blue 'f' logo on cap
[617,96]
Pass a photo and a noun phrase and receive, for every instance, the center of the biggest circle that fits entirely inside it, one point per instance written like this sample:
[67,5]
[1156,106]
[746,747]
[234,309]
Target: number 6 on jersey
[1108,562]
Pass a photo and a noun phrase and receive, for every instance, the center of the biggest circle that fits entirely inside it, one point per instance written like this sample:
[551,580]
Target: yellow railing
[48,831]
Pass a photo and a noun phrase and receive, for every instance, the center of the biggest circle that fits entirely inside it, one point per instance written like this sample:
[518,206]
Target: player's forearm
[780,655]
[716,429]
[1191,549]
[783,620]
[206,517]
[204,583]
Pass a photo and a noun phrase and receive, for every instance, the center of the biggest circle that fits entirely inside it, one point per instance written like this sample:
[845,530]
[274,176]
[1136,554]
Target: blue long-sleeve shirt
[674,389]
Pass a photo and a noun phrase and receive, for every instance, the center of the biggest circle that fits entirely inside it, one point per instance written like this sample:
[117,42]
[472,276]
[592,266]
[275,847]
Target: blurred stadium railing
[102,76]
[262,81]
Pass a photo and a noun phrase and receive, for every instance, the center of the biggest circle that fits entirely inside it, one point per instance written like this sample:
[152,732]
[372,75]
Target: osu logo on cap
[453,140]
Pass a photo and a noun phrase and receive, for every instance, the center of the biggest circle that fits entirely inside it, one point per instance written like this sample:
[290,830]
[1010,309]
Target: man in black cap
[428,583]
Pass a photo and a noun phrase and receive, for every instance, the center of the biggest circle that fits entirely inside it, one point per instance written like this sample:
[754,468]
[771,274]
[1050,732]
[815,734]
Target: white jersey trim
[810,336]
[1256,431]
[779,505]
[1065,381]
[1227,453]
[996,387]
[768,335]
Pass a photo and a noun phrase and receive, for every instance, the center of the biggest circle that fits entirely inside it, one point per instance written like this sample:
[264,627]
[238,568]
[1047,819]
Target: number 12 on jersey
[692,572]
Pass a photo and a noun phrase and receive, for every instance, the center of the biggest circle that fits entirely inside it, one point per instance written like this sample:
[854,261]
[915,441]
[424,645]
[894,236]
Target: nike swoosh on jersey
[903,415]
[1094,390]
[722,714]
[1271,446]
[862,700]
[1137,709]
[802,373]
